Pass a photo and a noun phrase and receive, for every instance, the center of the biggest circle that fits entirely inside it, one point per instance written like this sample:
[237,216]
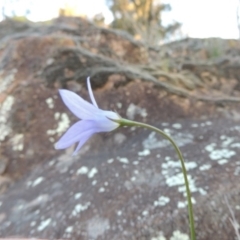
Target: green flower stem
[126,122]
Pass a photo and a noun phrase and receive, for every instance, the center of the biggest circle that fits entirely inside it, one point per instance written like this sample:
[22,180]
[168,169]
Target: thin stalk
[126,122]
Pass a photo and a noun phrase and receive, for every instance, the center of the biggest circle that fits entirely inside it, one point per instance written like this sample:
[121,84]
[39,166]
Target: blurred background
[164,19]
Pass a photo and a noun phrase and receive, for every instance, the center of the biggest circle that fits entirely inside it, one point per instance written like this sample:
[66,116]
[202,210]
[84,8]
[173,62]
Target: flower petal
[78,106]
[91,93]
[103,124]
[83,140]
[76,133]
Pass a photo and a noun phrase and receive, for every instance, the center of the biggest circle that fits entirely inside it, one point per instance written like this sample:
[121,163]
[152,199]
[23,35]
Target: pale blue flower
[94,120]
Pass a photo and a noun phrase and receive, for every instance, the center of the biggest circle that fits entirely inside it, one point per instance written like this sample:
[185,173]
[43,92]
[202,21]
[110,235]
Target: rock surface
[126,184]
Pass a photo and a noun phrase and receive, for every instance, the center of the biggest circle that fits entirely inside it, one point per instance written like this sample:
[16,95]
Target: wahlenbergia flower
[94,120]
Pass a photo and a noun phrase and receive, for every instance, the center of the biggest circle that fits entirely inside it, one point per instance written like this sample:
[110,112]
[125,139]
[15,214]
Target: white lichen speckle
[205,167]
[171,170]
[110,160]
[44,224]
[190,165]
[5,108]
[208,123]
[37,181]
[210,147]
[177,235]
[177,126]
[119,105]
[202,191]
[62,126]
[144,153]
[92,172]
[77,196]
[94,182]
[102,189]
[162,201]
[222,161]
[50,103]
[235,145]
[57,115]
[160,236]
[69,229]
[221,153]
[82,170]
[33,223]
[145,213]
[133,179]
[181,204]
[119,213]
[227,141]
[17,142]
[123,160]
[80,208]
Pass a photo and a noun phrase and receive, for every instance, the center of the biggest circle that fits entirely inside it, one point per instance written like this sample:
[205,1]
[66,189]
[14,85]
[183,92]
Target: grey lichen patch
[119,138]
[97,226]
[194,125]
[152,142]
[208,123]
[135,110]
[5,108]
[181,139]
[6,81]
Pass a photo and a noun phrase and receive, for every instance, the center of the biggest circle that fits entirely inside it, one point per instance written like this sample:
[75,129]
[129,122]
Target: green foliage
[141,18]
[214,48]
